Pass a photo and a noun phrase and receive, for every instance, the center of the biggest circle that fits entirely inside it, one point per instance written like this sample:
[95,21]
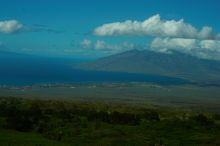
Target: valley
[188,96]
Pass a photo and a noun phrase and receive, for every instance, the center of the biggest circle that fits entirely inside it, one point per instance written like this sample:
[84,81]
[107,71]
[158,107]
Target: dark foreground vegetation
[26,122]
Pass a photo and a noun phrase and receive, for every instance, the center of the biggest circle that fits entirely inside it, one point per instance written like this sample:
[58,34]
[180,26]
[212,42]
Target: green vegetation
[50,122]
[15,138]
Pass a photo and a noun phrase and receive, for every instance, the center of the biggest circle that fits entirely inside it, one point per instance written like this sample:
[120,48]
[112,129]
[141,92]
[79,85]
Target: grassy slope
[15,138]
[117,135]
[85,124]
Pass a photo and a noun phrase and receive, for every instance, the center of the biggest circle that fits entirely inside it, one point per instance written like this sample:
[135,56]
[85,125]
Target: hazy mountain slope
[148,62]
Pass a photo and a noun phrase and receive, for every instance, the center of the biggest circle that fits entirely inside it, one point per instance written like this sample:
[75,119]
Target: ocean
[21,70]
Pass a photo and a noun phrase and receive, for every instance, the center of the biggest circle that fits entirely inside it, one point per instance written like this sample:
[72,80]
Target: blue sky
[66,28]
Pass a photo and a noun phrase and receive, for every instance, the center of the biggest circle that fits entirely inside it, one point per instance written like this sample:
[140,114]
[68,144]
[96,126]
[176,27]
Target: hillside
[149,62]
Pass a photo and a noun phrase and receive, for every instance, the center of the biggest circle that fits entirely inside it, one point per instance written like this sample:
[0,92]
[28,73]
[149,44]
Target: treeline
[26,115]
[60,120]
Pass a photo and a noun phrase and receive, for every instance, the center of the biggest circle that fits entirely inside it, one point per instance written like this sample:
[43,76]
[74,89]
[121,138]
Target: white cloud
[207,49]
[154,26]
[86,43]
[205,33]
[173,43]
[10,26]
[100,45]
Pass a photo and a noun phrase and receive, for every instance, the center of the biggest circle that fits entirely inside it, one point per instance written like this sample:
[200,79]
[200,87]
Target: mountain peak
[148,62]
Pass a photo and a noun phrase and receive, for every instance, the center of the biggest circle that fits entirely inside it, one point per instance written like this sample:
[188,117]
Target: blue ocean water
[16,69]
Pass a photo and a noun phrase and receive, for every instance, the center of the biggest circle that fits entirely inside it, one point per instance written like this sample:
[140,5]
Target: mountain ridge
[175,64]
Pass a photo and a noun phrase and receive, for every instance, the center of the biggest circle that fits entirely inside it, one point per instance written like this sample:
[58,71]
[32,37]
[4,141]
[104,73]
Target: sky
[97,28]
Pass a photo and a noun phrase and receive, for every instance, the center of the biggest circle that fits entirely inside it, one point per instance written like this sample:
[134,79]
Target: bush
[151,116]
[203,120]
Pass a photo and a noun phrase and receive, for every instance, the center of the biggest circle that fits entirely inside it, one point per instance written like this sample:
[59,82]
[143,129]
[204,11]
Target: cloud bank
[168,36]
[206,49]
[100,45]
[155,27]
[10,26]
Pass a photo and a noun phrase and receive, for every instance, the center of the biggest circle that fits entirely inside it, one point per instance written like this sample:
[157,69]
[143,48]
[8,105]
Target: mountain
[175,64]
